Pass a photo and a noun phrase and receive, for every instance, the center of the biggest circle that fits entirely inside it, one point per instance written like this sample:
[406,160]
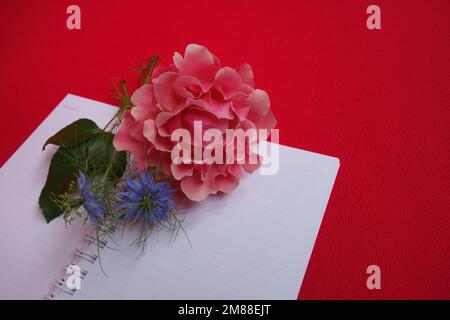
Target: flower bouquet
[186,133]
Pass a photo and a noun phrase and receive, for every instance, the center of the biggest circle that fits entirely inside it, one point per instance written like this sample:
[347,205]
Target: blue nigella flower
[147,199]
[94,208]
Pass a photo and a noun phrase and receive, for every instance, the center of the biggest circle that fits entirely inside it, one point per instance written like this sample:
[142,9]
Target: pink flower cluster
[194,88]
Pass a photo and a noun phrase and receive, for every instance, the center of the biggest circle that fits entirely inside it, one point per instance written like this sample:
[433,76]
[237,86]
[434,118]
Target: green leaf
[61,172]
[96,156]
[74,134]
[103,155]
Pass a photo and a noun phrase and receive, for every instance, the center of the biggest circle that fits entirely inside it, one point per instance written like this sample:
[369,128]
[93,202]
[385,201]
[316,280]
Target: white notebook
[254,243]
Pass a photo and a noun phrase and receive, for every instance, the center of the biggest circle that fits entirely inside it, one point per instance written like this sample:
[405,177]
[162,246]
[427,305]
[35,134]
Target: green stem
[149,68]
[124,89]
[110,121]
[125,101]
[110,164]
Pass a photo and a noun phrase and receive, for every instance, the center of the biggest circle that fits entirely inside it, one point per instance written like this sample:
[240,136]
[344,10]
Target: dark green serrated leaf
[74,134]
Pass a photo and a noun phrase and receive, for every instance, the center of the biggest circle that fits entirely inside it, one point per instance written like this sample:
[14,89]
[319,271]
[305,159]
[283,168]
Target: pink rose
[194,88]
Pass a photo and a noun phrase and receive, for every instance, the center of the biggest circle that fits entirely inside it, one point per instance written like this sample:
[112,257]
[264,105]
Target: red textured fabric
[378,100]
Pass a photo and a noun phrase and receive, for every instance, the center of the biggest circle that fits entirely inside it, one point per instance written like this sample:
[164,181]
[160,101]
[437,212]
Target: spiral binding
[59,285]
[83,272]
[85,255]
[91,239]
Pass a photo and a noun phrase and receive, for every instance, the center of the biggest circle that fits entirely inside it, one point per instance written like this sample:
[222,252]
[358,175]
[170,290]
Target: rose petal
[181,170]
[149,130]
[259,103]
[123,141]
[188,87]
[267,122]
[195,188]
[240,109]
[235,170]
[246,73]
[142,98]
[164,91]
[220,108]
[199,63]
[228,80]
[167,122]
[250,167]
[226,183]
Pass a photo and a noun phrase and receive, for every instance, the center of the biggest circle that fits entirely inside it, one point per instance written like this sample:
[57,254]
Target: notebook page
[254,243]
[33,252]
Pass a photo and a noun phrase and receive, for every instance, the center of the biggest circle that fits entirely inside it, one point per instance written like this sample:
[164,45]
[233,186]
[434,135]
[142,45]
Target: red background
[379,100]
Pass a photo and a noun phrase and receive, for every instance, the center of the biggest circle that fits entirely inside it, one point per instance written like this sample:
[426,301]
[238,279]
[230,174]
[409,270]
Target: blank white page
[254,243]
